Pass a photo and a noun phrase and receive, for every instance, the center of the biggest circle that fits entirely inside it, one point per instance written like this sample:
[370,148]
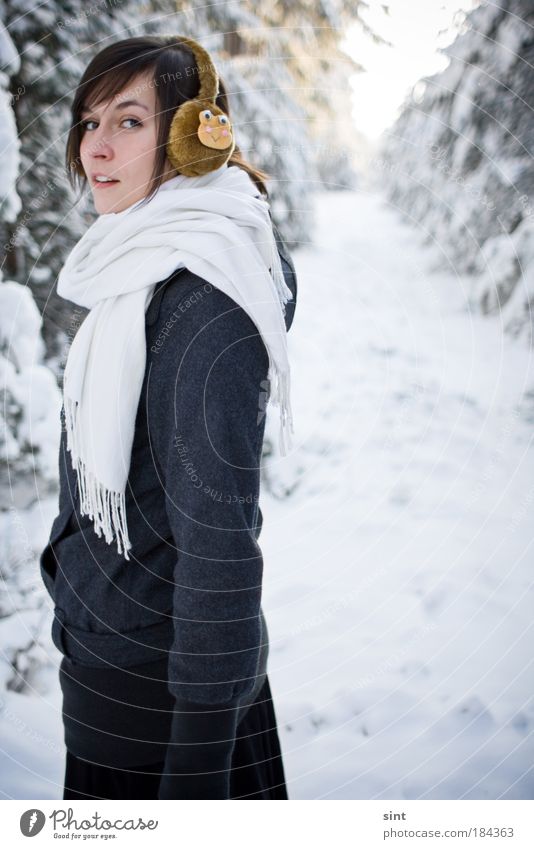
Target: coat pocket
[47,560]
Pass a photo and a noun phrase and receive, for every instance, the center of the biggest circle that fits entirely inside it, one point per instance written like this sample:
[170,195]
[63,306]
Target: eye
[136,122]
[207,114]
[90,121]
[223,119]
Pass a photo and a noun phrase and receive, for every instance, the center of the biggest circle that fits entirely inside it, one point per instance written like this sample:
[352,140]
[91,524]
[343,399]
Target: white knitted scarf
[218,226]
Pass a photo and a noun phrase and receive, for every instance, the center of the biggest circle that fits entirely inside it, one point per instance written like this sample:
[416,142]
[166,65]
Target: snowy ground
[397,588]
[398,583]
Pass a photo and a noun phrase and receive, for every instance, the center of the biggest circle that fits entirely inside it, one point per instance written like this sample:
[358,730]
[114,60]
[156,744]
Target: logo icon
[31,822]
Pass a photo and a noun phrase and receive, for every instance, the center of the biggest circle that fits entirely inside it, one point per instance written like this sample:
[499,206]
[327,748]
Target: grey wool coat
[192,588]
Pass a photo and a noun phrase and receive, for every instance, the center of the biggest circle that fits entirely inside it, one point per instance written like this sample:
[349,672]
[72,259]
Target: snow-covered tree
[29,411]
[10,203]
[29,427]
[286,78]
[459,160]
[310,37]
[30,395]
[288,85]
[55,41]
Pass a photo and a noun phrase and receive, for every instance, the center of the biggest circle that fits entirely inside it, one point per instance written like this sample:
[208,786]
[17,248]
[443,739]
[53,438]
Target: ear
[187,151]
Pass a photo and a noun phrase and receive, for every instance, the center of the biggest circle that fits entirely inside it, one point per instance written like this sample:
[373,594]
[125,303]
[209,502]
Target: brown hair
[110,71]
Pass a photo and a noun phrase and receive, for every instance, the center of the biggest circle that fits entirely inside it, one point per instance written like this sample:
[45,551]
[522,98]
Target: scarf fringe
[280,396]
[277,273]
[106,507]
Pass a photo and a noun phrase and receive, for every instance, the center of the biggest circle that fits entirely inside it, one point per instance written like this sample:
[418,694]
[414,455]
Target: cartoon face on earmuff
[200,138]
[215,129]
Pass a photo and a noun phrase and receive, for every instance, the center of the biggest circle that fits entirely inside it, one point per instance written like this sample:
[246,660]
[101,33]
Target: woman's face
[119,141]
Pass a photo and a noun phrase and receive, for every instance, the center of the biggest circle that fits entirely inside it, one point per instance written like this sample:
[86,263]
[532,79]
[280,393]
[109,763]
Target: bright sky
[413,27]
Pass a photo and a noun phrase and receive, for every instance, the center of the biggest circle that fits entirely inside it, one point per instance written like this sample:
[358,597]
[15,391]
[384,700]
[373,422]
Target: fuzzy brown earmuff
[200,137]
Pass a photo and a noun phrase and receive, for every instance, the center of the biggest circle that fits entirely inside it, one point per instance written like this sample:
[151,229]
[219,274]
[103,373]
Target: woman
[164,681]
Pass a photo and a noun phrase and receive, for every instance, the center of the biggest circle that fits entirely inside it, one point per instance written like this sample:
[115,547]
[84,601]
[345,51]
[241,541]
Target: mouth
[104,184]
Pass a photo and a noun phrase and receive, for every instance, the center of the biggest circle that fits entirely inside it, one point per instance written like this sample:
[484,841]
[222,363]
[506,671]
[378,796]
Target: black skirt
[257,768]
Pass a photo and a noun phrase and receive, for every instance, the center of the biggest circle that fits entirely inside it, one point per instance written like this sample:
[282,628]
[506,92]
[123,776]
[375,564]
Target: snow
[396,538]
[10,202]
[458,156]
[20,324]
[9,58]
[398,590]
[31,397]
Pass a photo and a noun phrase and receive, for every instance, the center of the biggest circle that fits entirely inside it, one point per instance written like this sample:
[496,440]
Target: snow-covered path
[397,583]
[397,586]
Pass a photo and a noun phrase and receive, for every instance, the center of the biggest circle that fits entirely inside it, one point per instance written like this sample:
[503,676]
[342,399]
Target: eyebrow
[124,105]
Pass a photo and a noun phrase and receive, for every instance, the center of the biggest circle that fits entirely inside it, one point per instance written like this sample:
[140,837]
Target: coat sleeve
[206,395]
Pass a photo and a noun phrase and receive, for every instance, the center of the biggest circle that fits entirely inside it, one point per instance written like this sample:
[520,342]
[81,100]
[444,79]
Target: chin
[103,205]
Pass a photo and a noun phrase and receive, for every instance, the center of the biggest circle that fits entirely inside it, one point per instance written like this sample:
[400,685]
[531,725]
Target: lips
[98,184]
[108,185]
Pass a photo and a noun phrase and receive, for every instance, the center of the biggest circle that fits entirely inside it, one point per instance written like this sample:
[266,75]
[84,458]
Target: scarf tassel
[280,397]
[106,507]
[277,273]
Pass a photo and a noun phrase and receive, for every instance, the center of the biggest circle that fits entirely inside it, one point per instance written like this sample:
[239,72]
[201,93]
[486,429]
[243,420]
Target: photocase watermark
[154,82]
[195,297]
[16,95]
[33,821]
[192,472]
[74,324]
[189,71]
[323,150]
[402,412]
[439,155]
[528,209]
[519,514]
[22,728]
[34,205]
[87,12]
[330,610]
[384,164]
[392,661]
[24,547]
[324,615]
[185,304]
[498,452]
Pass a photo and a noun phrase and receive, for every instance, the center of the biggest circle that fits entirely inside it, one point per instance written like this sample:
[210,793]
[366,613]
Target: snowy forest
[458,161]
[396,534]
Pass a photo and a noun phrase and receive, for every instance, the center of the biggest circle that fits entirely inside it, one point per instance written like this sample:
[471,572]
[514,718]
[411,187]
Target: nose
[100,145]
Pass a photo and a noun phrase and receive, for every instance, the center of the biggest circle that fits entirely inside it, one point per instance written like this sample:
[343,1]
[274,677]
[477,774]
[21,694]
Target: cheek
[83,146]
[84,155]
[143,150]
[138,148]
